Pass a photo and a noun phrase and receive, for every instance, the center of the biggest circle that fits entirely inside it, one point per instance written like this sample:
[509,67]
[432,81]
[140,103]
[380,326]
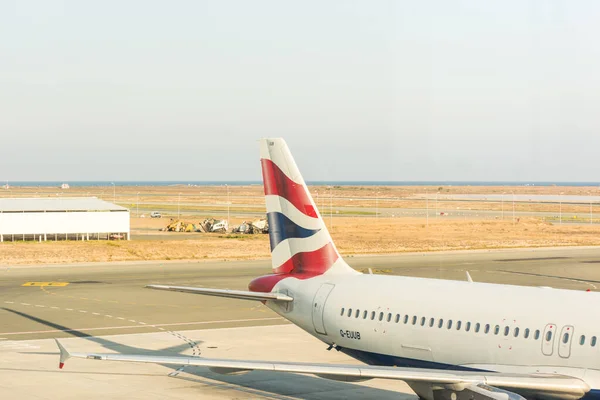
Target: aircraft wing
[234,294]
[480,384]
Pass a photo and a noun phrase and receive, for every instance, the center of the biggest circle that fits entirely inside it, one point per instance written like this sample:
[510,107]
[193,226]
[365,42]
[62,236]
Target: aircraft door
[564,341]
[319,307]
[548,339]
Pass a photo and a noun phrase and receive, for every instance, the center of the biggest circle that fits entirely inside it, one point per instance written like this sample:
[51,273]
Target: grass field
[355,230]
[352,236]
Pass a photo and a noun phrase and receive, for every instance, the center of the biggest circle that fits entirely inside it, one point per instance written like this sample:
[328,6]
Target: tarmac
[105,307]
[29,369]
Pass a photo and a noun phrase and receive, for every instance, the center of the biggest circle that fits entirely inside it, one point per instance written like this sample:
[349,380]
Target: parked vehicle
[155,214]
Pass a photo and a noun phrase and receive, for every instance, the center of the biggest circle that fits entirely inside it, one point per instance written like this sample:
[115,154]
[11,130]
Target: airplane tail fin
[300,241]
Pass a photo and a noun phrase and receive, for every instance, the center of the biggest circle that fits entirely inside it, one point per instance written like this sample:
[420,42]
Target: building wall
[64,222]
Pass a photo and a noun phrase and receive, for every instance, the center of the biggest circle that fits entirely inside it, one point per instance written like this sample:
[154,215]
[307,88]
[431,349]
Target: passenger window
[526,333]
[406,319]
[516,332]
[477,326]
[397,318]
[342,313]
[414,320]
[441,323]
[365,314]
[389,318]
[381,316]
[582,340]
[487,328]
[431,322]
[349,312]
[565,339]
[468,326]
[372,315]
[548,336]
[423,321]
[357,314]
[496,329]
[458,324]
[449,324]
[506,330]
[536,336]
[593,341]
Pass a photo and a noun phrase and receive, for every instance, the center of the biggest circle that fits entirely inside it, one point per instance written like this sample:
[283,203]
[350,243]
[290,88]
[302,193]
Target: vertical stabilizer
[300,241]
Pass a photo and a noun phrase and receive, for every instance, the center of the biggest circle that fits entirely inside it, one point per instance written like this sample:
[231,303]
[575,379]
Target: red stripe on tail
[300,266]
[277,183]
[314,262]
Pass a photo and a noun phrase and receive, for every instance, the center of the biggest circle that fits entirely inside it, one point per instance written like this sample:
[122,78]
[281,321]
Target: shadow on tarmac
[107,344]
[273,385]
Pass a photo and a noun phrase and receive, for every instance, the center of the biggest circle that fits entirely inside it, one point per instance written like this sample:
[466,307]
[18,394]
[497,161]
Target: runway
[405,212]
[86,304]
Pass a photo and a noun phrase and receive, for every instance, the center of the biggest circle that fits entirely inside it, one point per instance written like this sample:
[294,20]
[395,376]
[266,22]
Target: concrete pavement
[89,304]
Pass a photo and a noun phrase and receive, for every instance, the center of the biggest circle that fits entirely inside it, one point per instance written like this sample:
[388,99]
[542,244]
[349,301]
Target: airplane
[448,340]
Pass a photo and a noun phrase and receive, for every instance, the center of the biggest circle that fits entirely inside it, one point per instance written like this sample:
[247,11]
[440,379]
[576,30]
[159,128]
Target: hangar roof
[59,204]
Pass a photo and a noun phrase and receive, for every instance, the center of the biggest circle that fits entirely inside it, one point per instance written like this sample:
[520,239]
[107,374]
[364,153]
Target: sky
[361,90]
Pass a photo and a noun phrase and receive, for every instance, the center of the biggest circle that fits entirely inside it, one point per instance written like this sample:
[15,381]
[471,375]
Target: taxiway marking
[193,345]
[56,284]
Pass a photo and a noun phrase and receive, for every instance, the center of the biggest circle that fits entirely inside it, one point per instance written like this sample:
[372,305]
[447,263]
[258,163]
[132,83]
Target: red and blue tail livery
[300,242]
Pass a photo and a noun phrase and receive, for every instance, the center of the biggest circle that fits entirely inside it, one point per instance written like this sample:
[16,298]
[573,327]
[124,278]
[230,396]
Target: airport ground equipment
[256,226]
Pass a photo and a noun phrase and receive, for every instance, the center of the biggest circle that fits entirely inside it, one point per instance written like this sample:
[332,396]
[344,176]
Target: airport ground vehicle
[447,339]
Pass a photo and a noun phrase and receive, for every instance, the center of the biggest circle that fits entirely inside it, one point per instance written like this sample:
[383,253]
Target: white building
[84,218]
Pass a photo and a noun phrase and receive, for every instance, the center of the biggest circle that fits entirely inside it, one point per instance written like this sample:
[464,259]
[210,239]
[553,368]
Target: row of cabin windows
[449,323]
[581,340]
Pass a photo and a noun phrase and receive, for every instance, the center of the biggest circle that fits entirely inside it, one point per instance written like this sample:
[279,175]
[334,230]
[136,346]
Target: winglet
[64,354]
[469,279]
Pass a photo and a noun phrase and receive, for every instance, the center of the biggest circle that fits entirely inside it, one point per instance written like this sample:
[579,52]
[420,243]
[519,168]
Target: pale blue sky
[361,90]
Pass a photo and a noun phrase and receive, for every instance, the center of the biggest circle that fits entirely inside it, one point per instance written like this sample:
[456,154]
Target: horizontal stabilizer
[234,294]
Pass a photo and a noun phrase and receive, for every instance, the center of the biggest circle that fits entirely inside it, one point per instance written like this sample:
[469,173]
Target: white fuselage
[431,323]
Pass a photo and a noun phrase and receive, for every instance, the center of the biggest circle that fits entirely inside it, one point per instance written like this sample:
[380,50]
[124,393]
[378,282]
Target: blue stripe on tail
[282,228]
